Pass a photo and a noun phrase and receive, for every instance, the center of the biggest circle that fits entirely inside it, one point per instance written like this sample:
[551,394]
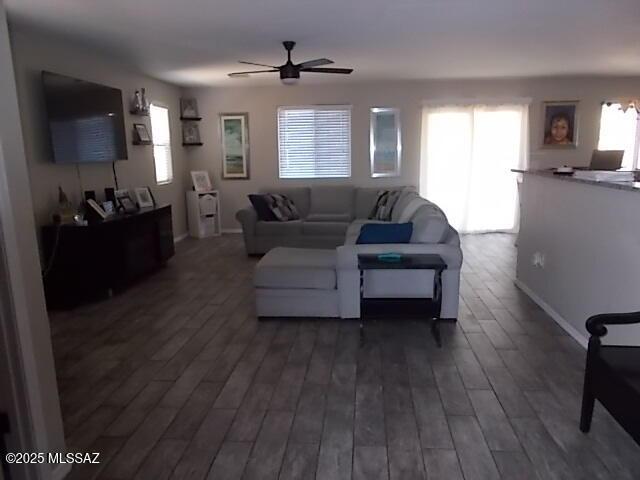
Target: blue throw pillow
[385,233]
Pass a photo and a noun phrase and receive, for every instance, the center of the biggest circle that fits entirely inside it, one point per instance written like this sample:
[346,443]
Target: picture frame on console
[144,197]
[125,202]
[560,128]
[234,134]
[201,181]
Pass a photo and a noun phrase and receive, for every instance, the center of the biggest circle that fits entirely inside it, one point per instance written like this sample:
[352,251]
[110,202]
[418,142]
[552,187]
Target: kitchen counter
[629,186]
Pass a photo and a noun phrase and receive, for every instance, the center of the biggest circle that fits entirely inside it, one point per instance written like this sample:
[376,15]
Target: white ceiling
[198,41]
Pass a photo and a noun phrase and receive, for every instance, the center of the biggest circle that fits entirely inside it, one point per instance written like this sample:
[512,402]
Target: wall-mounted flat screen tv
[86,120]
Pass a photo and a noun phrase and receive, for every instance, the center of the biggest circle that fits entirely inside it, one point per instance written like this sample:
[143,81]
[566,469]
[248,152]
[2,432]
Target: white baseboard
[179,238]
[566,326]
[231,230]
[60,471]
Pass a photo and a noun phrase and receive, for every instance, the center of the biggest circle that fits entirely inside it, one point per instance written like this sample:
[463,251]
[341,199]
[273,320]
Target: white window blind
[620,130]
[161,143]
[314,142]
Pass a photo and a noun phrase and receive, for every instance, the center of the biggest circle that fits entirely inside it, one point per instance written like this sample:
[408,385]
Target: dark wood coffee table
[408,261]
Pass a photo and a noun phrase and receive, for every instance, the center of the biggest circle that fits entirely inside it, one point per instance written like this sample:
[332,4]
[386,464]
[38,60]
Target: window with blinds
[161,143]
[314,142]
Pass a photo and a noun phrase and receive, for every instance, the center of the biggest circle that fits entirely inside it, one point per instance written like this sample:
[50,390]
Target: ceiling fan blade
[258,64]
[315,63]
[327,70]
[246,74]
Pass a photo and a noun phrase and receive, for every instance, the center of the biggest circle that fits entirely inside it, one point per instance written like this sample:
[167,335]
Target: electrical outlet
[538,259]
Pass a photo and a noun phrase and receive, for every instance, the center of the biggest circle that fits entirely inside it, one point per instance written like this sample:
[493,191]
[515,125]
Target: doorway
[468,152]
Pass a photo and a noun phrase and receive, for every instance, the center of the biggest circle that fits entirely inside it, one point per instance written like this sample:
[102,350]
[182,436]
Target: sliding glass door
[467,155]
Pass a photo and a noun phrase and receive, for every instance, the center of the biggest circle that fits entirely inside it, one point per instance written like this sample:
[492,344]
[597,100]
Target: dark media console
[90,261]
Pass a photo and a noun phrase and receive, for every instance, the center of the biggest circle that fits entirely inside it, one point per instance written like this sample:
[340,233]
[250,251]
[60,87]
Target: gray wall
[262,102]
[590,236]
[34,52]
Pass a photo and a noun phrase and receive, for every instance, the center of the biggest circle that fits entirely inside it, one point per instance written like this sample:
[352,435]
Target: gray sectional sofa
[326,213]
[293,282]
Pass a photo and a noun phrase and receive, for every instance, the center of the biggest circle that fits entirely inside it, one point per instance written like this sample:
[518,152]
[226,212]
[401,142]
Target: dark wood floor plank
[452,392]
[162,460]
[406,464]
[475,458]
[370,463]
[442,464]
[300,461]
[515,466]
[125,464]
[469,368]
[369,429]
[431,419]
[188,420]
[202,450]
[493,421]
[545,454]
[336,448]
[270,446]
[230,461]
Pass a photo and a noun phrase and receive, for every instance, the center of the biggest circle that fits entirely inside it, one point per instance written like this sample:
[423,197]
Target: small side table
[408,261]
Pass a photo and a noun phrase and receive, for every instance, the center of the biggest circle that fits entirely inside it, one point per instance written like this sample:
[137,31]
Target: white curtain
[467,155]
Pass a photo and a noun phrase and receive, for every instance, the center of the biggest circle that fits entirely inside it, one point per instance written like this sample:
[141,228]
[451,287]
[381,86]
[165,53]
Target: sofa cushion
[261,206]
[353,232]
[415,201]
[282,207]
[334,229]
[336,199]
[429,225]
[384,204]
[328,217]
[385,233]
[296,268]
[293,227]
[299,196]
[365,199]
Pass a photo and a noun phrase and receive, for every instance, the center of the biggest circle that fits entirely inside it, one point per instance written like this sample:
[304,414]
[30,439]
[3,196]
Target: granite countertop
[629,186]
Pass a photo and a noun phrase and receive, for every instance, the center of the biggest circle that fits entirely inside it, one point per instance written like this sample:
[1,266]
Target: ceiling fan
[290,72]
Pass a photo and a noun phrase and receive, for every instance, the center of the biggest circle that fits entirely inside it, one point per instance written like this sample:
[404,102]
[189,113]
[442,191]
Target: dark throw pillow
[261,206]
[282,207]
[385,202]
[385,233]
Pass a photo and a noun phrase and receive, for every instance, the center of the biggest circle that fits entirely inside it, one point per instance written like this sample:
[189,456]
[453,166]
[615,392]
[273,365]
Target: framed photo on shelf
[141,133]
[201,181]
[234,130]
[191,134]
[560,129]
[144,197]
[188,108]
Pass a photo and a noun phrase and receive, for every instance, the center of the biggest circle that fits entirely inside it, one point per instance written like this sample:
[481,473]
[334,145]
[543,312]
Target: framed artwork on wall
[234,131]
[560,130]
[385,146]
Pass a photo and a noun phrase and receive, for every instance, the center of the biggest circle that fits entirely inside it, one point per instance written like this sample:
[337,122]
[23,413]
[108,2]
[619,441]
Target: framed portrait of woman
[560,124]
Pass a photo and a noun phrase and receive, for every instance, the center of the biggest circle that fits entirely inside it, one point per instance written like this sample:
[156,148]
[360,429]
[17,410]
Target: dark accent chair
[612,375]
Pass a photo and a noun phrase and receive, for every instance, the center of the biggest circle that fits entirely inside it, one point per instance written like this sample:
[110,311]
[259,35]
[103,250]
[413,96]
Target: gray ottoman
[296,282]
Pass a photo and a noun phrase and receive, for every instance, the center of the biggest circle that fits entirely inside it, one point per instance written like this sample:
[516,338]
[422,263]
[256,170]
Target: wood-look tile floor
[176,379]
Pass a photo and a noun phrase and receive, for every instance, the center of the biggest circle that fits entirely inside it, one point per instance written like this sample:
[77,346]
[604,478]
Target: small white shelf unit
[203,210]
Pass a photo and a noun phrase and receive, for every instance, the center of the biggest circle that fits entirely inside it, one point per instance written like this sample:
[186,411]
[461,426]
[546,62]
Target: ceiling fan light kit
[290,72]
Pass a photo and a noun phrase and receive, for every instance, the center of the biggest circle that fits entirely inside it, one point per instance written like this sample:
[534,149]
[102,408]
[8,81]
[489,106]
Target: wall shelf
[196,144]
[190,119]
